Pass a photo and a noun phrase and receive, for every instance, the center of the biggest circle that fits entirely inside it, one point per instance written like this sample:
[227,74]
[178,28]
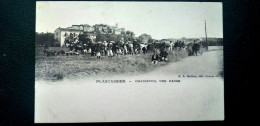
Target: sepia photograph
[104,61]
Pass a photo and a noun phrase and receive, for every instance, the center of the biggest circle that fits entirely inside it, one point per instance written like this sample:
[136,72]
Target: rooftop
[68,29]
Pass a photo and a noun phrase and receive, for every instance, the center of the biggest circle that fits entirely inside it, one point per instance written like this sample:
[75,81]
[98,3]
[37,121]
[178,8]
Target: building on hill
[83,27]
[76,27]
[87,28]
[61,33]
[101,28]
[119,31]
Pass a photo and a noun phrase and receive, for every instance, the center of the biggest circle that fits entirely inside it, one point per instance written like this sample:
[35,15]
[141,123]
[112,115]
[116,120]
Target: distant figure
[85,50]
[119,52]
[171,44]
[110,53]
[89,50]
[195,48]
[125,49]
[131,48]
[98,54]
[105,44]
[144,50]
[135,51]
[164,55]
[155,58]
[103,52]
[71,48]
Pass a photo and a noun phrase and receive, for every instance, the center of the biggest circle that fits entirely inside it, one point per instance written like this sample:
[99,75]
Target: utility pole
[206,35]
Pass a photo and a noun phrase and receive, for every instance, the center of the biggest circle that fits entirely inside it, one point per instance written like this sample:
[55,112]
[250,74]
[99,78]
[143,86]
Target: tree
[101,37]
[119,37]
[110,37]
[45,39]
[150,41]
[109,30]
[128,32]
[145,38]
[84,38]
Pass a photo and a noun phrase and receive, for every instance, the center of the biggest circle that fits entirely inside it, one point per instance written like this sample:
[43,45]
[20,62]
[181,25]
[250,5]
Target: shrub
[59,75]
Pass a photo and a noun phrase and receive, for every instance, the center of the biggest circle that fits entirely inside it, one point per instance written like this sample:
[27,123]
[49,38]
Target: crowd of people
[112,48]
[108,48]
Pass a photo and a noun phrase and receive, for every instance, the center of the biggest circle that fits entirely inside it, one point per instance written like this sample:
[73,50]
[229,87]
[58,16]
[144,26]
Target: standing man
[110,52]
[71,48]
[144,50]
[171,44]
[85,49]
[105,44]
[195,48]
[98,54]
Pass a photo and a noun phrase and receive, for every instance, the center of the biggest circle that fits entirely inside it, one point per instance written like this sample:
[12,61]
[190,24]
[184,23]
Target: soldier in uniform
[155,58]
[164,55]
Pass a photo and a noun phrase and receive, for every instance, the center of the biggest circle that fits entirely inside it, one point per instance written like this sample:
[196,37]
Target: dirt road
[85,100]
[210,63]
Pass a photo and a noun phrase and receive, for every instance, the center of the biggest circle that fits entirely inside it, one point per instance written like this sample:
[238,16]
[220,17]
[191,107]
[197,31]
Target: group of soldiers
[196,47]
[112,48]
[108,48]
[161,57]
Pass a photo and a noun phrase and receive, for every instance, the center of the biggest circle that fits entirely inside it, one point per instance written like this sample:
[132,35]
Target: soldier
[164,55]
[71,48]
[195,48]
[105,44]
[98,54]
[110,52]
[171,44]
[85,49]
[125,49]
[155,58]
[144,50]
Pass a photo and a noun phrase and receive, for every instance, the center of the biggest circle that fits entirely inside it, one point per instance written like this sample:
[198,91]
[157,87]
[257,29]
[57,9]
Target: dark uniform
[144,50]
[164,55]
[71,47]
[155,58]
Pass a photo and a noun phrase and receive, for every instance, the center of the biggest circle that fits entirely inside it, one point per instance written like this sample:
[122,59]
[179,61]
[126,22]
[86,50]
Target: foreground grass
[59,67]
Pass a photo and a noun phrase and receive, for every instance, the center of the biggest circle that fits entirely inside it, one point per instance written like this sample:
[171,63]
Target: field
[73,67]
[197,99]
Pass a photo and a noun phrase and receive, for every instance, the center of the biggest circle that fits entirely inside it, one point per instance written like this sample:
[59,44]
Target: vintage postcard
[128,61]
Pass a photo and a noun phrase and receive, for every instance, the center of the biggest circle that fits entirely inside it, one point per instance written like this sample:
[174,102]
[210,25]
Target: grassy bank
[59,67]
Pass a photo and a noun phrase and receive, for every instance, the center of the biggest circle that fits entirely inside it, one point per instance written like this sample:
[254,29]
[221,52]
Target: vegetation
[214,41]
[59,67]
[145,38]
[45,39]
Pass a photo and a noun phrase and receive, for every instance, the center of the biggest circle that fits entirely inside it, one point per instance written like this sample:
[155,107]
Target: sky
[161,20]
